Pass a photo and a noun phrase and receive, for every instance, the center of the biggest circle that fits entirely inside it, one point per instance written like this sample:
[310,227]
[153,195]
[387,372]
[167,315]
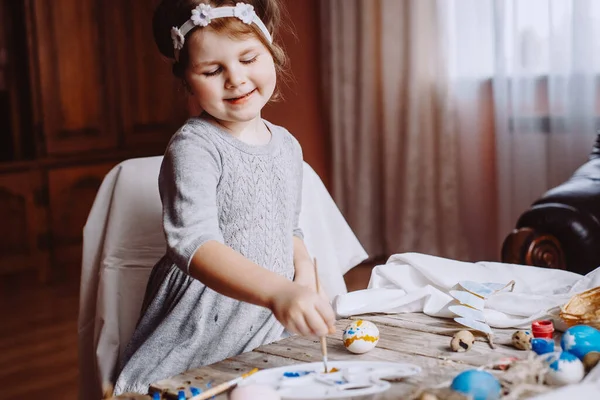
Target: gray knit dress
[214,187]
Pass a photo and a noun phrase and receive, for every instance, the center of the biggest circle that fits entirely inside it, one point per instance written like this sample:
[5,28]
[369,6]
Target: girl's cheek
[205,90]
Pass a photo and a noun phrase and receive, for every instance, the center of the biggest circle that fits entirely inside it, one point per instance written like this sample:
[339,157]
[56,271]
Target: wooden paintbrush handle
[324,345]
[318,286]
[323,338]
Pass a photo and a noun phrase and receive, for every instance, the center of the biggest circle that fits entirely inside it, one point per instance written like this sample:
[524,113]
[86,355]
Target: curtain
[394,142]
[448,118]
[533,67]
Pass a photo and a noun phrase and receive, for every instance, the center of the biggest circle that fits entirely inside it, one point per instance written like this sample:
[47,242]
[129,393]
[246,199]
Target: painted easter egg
[360,336]
[480,385]
[565,368]
[580,340]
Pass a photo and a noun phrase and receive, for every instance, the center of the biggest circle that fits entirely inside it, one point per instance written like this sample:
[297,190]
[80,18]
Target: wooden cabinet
[73,85]
[24,234]
[71,194]
[98,93]
[152,101]
[102,83]
[15,107]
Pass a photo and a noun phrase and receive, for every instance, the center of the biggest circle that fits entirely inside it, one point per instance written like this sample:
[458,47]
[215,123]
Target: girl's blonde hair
[174,13]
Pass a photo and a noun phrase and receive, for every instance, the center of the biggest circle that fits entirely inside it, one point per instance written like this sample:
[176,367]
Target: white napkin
[413,282]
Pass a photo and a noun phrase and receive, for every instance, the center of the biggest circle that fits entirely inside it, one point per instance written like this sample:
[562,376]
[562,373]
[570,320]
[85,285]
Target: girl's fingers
[299,322]
[326,313]
[316,324]
[290,326]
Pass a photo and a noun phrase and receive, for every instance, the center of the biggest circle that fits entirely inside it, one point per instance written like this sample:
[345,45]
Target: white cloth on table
[123,239]
[413,282]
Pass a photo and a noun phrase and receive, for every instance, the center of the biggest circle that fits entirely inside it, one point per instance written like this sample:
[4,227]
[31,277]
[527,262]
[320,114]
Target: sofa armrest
[555,236]
[527,247]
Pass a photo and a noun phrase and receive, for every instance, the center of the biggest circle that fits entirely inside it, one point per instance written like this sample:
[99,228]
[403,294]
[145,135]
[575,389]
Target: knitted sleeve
[188,181]
[299,171]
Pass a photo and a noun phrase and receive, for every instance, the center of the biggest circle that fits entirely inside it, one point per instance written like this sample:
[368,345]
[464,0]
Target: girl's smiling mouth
[241,99]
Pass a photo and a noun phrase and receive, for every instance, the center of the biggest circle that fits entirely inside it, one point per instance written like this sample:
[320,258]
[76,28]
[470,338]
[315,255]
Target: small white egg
[253,392]
[360,336]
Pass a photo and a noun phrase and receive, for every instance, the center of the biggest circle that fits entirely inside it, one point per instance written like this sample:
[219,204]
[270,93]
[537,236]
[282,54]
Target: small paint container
[542,329]
[542,346]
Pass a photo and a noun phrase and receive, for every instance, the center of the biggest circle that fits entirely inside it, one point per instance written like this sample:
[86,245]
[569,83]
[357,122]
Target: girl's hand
[306,280]
[301,310]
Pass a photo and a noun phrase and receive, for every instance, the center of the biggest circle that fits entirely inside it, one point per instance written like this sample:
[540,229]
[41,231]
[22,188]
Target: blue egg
[565,368]
[555,357]
[480,385]
[580,340]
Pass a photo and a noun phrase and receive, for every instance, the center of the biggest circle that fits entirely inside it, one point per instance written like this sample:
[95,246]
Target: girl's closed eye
[219,69]
[213,73]
[249,61]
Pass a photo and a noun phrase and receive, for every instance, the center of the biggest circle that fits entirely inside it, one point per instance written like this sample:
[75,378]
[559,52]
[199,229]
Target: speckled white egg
[522,340]
[462,341]
[253,392]
[565,368]
[361,336]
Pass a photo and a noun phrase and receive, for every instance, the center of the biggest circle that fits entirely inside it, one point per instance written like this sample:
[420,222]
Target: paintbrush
[222,387]
[323,338]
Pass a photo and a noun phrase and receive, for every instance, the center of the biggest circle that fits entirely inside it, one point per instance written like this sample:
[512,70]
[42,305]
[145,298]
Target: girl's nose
[235,77]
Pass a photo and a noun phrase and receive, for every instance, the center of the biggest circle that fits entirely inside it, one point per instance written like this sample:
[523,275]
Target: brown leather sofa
[562,228]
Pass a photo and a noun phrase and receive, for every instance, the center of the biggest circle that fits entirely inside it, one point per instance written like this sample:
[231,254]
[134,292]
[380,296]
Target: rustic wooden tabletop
[412,338]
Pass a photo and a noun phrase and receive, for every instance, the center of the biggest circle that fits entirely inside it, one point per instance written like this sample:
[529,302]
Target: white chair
[123,239]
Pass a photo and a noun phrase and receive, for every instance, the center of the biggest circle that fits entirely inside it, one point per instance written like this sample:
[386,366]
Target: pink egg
[253,392]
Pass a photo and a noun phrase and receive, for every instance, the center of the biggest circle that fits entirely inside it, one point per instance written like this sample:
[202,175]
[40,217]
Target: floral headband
[204,13]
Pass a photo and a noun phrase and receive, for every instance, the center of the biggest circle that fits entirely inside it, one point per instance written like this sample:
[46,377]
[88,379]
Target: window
[529,38]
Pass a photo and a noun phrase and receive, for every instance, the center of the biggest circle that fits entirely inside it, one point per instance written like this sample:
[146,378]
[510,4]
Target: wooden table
[412,338]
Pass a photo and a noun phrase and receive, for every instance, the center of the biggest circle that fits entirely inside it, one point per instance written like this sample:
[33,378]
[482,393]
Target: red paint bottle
[542,329]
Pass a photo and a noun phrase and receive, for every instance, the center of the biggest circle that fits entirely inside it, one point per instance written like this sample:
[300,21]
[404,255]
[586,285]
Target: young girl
[236,272]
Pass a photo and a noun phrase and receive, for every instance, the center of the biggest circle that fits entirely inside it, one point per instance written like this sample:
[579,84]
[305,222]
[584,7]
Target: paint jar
[542,329]
[542,346]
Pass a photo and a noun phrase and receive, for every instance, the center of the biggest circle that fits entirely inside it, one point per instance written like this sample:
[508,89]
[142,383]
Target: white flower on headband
[201,15]
[177,37]
[244,12]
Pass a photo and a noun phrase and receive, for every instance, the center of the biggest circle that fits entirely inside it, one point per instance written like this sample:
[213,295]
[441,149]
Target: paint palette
[352,378]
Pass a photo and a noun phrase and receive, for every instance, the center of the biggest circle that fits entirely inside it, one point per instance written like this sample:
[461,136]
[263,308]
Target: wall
[300,111]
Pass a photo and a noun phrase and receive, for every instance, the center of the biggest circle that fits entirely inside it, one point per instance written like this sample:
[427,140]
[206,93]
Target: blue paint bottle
[542,346]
